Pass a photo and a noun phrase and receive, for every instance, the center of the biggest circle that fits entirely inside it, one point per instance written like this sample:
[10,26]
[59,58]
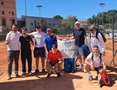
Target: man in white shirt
[95,61]
[93,40]
[39,50]
[13,47]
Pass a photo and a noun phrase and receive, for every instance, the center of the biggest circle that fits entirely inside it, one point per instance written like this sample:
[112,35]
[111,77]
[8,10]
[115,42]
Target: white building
[32,22]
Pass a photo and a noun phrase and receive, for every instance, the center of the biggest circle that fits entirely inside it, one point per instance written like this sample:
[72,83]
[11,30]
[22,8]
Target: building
[84,23]
[32,22]
[7,14]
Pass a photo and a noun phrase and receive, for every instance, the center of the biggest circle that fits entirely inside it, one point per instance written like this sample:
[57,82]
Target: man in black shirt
[25,41]
[79,35]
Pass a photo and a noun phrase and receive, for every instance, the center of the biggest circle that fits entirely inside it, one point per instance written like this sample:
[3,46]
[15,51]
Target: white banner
[66,48]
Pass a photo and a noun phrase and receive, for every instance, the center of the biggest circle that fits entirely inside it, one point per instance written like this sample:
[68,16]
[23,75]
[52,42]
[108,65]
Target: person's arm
[45,46]
[7,39]
[103,62]
[46,49]
[88,61]
[31,41]
[101,43]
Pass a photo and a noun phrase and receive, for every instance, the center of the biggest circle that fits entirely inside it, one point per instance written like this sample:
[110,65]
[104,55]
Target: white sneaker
[85,71]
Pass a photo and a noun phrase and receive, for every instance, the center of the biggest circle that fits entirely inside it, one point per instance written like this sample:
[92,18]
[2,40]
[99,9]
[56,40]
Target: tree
[43,24]
[69,22]
[58,17]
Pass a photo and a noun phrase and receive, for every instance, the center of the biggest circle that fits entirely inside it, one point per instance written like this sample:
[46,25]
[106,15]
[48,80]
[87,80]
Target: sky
[81,9]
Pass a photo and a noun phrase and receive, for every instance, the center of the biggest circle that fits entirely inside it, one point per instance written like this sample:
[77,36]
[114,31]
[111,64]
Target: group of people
[45,47]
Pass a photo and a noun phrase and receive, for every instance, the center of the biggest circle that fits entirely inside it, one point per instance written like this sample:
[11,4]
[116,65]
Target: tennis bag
[69,65]
[105,77]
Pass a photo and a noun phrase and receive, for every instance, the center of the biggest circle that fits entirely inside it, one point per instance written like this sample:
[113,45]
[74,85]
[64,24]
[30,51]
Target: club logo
[68,44]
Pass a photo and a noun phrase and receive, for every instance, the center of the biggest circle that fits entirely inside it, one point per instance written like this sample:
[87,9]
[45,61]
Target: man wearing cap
[39,50]
[96,41]
[54,61]
[49,40]
[79,35]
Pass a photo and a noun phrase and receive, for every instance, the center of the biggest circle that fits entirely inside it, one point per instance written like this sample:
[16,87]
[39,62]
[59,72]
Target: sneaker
[58,74]
[90,78]
[48,75]
[36,70]
[80,67]
[85,71]
[43,70]
[9,77]
[24,74]
[29,73]
[100,81]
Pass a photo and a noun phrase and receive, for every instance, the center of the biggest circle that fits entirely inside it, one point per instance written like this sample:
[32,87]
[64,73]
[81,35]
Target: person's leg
[36,63]
[16,58]
[88,69]
[43,63]
[42,54]
[48,68]
[10,61]
[58,67]
[81,57]
[29,59]
[100,82]
[36,56]
[23,59]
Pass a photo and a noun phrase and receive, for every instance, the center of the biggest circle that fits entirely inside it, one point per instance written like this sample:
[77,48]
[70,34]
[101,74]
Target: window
[2,3]
[3,12]
[3,22]
[12,13]
[13,21]
[49,24]
[31,24]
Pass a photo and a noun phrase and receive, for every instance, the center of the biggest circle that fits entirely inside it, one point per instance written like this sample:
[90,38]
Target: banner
[66,48]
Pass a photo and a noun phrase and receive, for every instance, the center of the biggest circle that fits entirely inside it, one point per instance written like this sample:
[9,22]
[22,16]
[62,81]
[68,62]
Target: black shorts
[39,52]
[54,63]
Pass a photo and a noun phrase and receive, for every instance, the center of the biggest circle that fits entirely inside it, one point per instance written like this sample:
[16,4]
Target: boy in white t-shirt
[95,61]
[39,50]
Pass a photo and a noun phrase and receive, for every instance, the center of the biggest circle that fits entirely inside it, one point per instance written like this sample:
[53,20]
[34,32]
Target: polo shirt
[79,37]
[49,41]
[54,57]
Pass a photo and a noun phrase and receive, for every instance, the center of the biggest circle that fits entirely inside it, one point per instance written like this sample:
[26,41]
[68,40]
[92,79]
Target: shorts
[54,63]
[78,51]
[99,68]
[39,52]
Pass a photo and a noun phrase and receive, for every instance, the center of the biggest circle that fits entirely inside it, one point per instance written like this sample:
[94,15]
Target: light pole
[102,4]
[39,6]
[25,13]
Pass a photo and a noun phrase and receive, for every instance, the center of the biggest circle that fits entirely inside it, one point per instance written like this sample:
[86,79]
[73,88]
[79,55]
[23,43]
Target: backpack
[99,57]
[103,36]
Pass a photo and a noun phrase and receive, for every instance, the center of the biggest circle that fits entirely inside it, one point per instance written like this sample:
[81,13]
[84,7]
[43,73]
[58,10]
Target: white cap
[77,22]
[49,29]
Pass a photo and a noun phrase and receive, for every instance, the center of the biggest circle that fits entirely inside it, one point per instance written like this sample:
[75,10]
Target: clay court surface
[68,81]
